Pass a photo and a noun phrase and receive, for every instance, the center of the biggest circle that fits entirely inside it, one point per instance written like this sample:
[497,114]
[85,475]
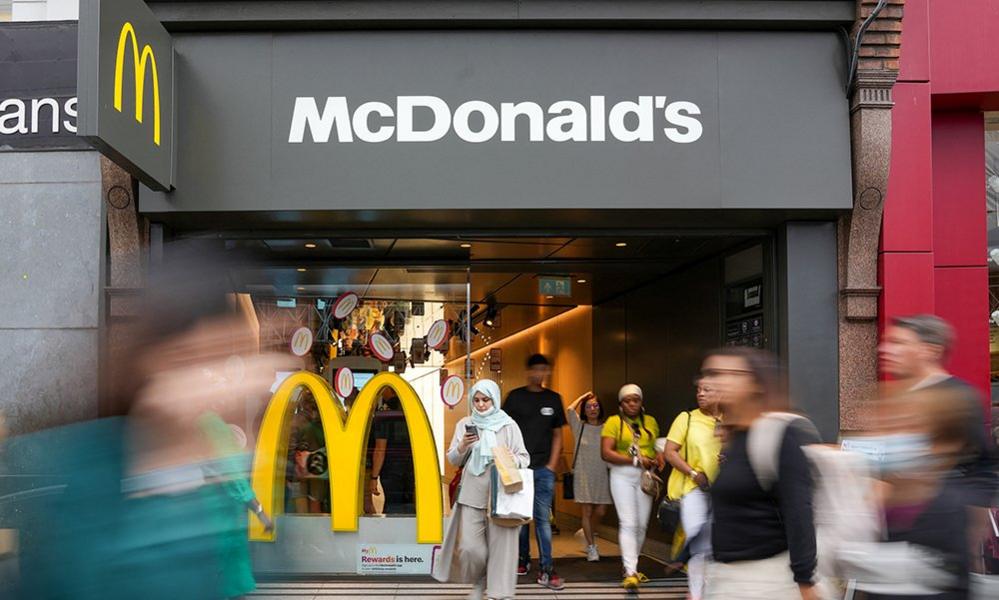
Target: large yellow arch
[346,443]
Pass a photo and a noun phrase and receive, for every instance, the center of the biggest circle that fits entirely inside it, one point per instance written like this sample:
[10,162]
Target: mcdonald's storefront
[423,197]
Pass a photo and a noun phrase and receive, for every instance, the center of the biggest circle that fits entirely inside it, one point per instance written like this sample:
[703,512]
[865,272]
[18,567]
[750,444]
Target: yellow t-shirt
[646,441]
[699,447]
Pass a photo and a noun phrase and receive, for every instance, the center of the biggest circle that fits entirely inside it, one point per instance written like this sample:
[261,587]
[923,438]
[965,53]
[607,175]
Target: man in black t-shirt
[538,412]
[392,457]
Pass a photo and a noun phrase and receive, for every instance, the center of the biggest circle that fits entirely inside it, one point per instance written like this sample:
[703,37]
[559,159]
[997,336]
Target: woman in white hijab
[475,550]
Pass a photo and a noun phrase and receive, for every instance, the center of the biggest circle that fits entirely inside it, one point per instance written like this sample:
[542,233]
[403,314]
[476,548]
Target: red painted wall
[933,250]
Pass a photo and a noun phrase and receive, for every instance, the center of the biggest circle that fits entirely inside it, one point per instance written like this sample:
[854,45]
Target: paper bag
[511,509]
[509,474]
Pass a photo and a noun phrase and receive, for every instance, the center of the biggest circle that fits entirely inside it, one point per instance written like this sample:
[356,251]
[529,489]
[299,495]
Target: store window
[992,208]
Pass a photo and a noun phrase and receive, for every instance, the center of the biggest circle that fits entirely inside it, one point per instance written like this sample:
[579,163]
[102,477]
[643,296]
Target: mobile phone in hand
[471,430]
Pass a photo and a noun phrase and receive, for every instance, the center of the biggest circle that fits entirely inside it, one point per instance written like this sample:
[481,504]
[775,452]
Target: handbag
[651,483]
[668,511]
[511,509]
[454,488]
[569,479]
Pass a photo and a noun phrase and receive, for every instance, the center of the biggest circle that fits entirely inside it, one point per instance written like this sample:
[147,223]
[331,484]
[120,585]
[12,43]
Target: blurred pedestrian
[692,449]
[762,537]
[925,553]
[628,444]
[475,549]
[590,481]
[538,412]
[129,509]
[913,350]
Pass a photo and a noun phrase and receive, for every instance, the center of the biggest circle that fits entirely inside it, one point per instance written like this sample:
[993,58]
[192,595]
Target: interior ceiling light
[550,297]
[310,245]
[580,281]
[301,269]
[300,288]
[492,312]
[466,245]
[621,244]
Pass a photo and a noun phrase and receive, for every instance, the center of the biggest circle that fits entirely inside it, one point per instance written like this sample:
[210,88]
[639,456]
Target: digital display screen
[361,378]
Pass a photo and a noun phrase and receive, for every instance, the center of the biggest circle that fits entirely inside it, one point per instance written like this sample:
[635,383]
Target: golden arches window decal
[346,441]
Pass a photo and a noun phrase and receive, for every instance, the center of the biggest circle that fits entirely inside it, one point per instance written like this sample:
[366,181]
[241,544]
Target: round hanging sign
[453,390]
[343,382]
[381,347]
[438,334]
[345,305]
[301,341]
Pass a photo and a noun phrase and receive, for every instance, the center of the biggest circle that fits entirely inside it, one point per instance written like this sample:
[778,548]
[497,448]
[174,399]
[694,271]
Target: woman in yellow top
[692,449]
[628,444]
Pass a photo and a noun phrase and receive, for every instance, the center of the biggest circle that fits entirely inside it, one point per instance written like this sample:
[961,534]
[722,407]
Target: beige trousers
[489,551]
[767,579]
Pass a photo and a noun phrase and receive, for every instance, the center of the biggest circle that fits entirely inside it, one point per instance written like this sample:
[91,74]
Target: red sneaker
[551,581]
[523,569]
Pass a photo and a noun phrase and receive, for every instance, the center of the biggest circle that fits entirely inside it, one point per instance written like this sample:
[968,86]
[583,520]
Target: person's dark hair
[537,359]
[765,369]
[581,409]
[188,287]
[930,329]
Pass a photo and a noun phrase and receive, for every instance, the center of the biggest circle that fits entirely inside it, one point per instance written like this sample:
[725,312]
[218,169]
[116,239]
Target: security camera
[995,317]
[994,255]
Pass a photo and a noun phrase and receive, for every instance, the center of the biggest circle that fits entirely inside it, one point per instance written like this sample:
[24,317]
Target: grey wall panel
[49,377]
[809,305]
[236,95]
[754,71]
[50,238]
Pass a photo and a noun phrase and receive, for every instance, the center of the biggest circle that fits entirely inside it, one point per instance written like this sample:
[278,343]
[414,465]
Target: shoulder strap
[763,444]
[685,434]
[579,439]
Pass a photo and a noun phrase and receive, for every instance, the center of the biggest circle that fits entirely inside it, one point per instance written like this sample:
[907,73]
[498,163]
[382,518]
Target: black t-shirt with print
[539,415]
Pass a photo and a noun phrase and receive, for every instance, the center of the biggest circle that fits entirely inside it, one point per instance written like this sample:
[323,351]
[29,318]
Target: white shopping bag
[512,509]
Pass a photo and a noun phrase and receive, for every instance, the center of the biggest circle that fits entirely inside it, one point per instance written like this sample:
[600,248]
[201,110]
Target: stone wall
[50,244]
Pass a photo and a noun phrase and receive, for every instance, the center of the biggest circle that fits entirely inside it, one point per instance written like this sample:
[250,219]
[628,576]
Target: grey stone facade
[50,244]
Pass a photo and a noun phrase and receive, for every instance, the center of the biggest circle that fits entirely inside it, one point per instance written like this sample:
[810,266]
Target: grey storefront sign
[38,87]
[509,119]
[125,79]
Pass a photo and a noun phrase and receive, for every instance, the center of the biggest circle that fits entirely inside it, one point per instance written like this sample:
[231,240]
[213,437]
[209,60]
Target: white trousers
[766,579]
[633,509]
[694,516]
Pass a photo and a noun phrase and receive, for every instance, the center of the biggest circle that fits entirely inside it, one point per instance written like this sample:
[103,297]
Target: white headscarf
[488,423]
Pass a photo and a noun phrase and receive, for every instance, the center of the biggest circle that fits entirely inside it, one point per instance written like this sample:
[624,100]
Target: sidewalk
[584,581]
[661,589]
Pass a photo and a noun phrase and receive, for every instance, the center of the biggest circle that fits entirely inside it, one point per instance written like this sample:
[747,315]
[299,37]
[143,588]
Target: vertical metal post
[468,324]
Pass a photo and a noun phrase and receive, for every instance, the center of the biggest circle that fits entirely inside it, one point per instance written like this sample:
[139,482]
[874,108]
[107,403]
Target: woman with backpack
[692,449]
[628,444]
[762,535]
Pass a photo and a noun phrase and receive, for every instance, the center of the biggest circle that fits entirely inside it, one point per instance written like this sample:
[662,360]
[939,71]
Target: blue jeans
[544,492]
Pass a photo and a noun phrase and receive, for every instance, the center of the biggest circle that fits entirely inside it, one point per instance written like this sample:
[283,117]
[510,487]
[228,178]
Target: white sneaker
[591,553]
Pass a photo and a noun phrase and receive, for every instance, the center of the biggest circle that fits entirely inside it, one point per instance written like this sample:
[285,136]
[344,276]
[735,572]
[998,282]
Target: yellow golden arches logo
[139,65]
[345,448]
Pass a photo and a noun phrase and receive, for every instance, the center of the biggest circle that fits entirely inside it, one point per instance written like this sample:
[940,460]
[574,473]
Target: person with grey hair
[913,351]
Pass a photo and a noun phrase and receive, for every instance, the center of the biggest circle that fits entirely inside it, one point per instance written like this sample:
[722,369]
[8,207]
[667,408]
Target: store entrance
[605,309]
